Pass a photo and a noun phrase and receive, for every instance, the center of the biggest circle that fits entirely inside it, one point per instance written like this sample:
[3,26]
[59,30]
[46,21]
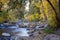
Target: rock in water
[5,34]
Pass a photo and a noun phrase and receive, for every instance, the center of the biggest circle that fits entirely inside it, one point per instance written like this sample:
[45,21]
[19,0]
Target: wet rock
[5,38]
[35,33]
[58,31]
[1,26]
[52,37]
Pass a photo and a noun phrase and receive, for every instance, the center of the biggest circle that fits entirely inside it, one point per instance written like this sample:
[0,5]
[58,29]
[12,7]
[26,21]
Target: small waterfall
[27,5]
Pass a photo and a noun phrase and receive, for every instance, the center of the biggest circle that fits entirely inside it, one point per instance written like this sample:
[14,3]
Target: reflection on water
[16,32]
[22,32]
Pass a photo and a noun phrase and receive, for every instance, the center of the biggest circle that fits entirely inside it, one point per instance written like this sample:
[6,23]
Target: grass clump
[49,31]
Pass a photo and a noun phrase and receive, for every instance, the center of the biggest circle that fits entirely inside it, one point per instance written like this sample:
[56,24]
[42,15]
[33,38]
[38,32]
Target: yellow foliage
[51,16]
[37,4]
[55,3]
[48,11]
[11,16]
[4,1]
[42,16]
[31,17]
[2,19]
[36,15]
